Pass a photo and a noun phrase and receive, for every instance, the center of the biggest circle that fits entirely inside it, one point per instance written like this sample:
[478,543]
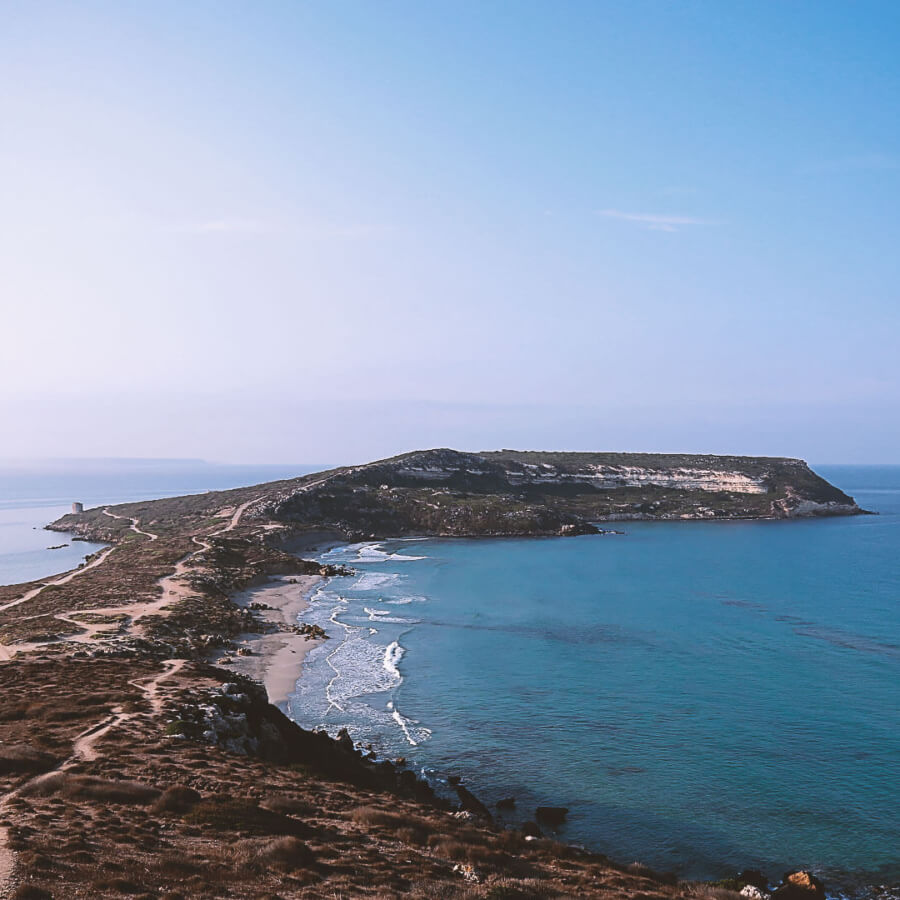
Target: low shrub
[176,799]
[289,806]
[243,816]
[19,758]
[31,892]
[286,854]
[119,885]
[373,816]
[705,891]
[643,871]
[88,787]
[412,835]
[14,712]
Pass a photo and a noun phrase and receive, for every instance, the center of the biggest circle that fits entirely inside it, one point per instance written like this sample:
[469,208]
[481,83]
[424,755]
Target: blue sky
[334,231]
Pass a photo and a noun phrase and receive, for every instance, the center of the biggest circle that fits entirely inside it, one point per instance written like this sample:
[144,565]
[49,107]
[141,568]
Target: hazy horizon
[48,462]
[343,231]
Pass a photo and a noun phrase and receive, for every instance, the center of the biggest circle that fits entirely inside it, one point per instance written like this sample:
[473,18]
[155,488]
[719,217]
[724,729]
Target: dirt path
[83,746]
[83,750]
[172,589]
[64,580]
[104,555]
[134,524]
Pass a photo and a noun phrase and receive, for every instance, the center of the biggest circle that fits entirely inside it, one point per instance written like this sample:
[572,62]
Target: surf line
[347,629]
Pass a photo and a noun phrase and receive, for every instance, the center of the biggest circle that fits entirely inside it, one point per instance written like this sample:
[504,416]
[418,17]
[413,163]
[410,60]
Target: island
[138,757]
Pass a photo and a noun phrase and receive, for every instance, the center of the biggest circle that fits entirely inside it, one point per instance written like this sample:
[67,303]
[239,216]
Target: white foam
[371,553]
[402,601]
[383,616]
[374,614]
[414,733]
[372,580]
[392,656]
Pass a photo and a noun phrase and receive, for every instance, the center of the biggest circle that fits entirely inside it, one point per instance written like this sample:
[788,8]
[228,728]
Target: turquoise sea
[704,697]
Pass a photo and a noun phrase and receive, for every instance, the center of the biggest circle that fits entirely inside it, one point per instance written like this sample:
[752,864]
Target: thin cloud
[655,221]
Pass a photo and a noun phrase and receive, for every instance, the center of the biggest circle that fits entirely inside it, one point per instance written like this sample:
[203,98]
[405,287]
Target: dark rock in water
[344,739]
[453,780]
[754,877]
[472,804]
[800,885]
[552,815]
[530,829]
[506,803]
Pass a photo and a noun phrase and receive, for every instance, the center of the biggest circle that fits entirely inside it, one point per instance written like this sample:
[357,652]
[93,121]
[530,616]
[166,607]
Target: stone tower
[77,507]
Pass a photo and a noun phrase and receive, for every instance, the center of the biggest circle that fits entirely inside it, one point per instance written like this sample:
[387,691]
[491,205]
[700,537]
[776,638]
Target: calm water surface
[703,696]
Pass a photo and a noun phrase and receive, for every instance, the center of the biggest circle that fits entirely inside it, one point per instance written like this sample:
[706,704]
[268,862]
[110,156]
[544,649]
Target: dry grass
[709,891]
[176,799]
[88,787]
[31,892]
[18,758]
[243,817]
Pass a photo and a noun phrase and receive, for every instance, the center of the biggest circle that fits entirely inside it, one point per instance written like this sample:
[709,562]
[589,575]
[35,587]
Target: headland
[142,752]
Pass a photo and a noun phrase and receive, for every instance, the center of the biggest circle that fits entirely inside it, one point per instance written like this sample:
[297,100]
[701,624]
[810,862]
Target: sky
[335,231]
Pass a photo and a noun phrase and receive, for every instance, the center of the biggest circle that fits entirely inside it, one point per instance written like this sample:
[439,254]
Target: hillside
[506,492]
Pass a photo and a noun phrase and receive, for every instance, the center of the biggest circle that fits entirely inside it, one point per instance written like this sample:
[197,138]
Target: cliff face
[511,492]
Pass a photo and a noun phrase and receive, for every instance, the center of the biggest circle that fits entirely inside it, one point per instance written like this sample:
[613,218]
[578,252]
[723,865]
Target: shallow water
[704,697]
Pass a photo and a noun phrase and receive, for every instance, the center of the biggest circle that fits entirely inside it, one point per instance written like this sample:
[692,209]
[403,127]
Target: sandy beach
[277,658]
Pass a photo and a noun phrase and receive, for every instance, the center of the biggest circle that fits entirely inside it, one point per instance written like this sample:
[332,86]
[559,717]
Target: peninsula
[137,758]
[501,493]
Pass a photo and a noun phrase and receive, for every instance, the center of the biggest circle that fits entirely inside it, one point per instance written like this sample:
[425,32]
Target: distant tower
[77,508]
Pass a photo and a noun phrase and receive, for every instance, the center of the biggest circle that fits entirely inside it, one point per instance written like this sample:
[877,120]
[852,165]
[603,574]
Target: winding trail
[172,589]
[134,524]
[65,579]
[104,555]
[83,750]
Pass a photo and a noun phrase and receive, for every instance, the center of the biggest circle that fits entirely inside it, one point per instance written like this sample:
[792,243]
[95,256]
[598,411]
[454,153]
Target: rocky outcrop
[551,815]
[800,885]
[235,716]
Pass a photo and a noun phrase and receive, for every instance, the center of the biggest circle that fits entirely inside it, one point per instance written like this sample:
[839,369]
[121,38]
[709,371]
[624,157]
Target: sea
[702,697]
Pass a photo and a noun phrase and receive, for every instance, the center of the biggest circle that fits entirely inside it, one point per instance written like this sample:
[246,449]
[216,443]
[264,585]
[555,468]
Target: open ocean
[704,697]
